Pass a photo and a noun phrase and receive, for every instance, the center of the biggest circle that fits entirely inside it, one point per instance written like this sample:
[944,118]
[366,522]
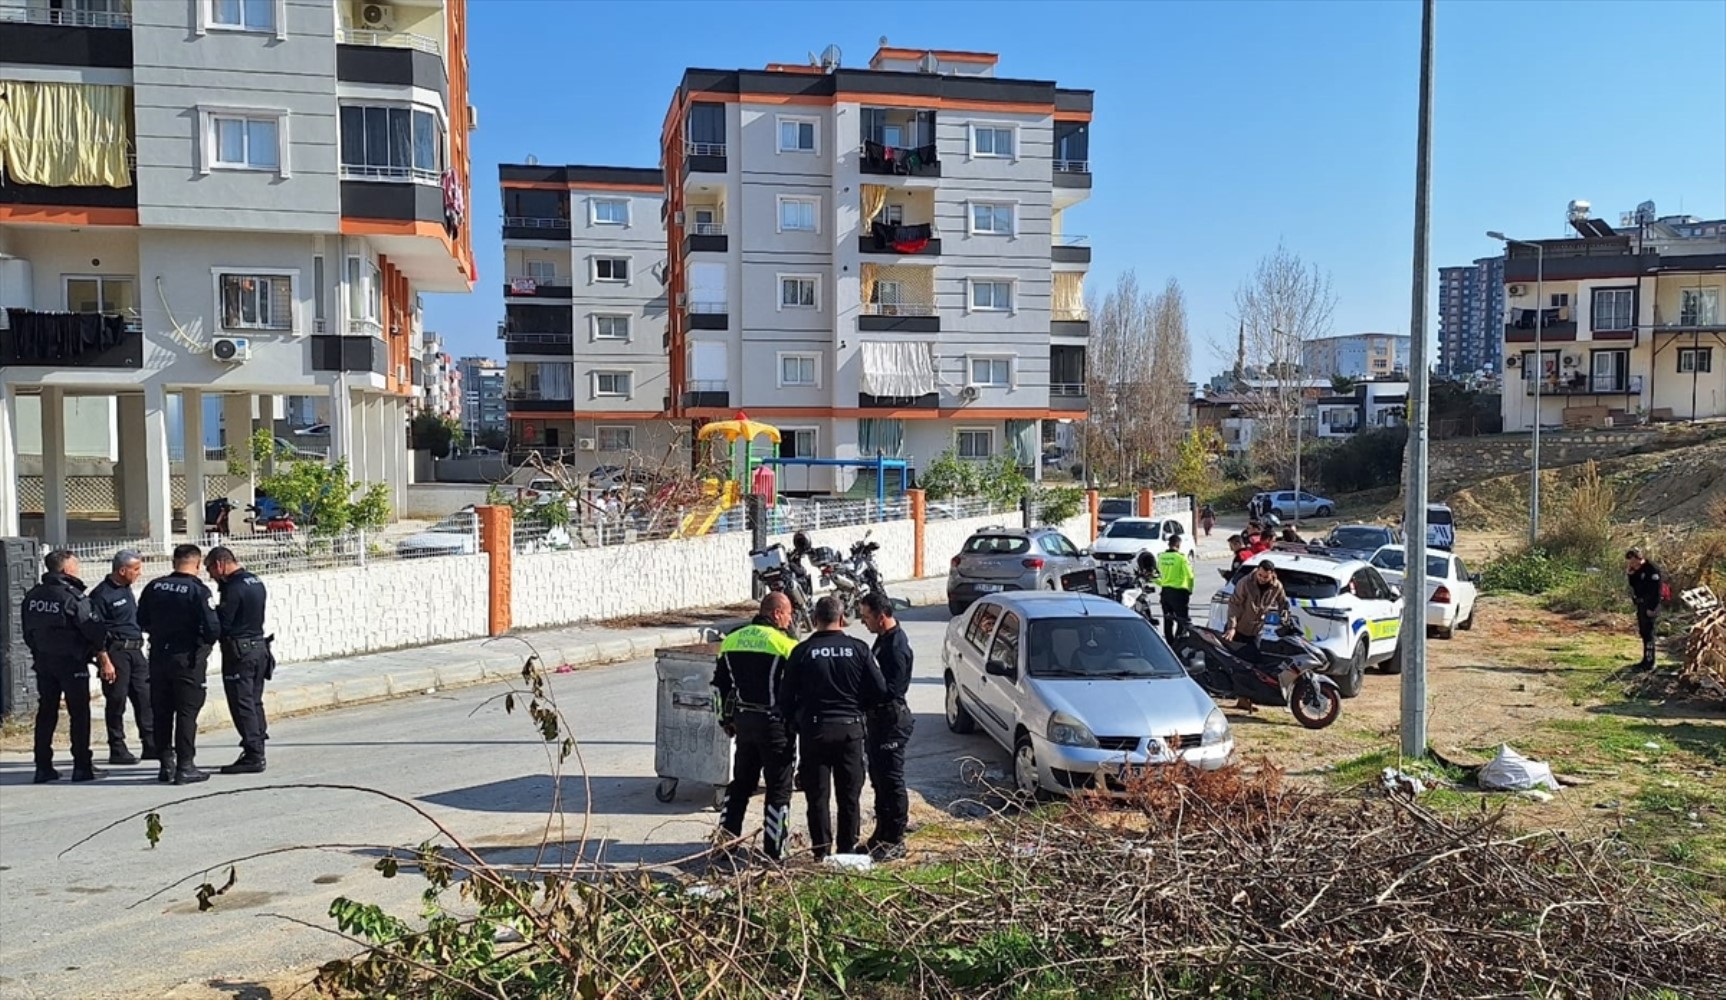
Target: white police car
[1345,608]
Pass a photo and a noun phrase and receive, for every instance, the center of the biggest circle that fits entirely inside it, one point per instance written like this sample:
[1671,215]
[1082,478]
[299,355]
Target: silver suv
[1000,559]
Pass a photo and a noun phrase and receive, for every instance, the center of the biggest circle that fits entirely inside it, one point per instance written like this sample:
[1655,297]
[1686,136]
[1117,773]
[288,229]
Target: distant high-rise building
[1357,355]
[483,389]
[1470,317]
[440,379]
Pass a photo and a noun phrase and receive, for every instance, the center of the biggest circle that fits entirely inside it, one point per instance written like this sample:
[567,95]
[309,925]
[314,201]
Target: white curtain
[898,368]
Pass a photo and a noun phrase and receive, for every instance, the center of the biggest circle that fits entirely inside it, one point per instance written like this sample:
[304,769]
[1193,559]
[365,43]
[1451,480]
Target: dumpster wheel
[666,790]
[719,796]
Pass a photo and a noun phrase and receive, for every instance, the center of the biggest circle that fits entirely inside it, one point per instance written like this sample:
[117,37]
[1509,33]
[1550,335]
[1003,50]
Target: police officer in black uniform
[125,671]
[747,679]
[889,728]
[177,614]
[831,685]
[63,636]
[246,658]
[1647,589]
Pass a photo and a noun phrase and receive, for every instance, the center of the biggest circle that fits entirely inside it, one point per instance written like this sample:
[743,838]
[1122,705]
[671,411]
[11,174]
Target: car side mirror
[1396,593]
[1084,552]
[997,668]
[1474,578]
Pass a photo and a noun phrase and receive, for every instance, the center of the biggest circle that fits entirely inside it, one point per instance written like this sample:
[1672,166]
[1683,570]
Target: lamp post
[1540,375]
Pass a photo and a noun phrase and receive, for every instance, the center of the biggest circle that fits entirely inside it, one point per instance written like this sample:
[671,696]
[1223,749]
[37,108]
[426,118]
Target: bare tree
[1163,404]
[1284,305]
[1139,354]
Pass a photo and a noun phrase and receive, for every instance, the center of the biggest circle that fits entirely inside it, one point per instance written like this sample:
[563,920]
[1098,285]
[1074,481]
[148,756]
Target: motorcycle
[1286,674]
[1133,587]
[775,572]
[854,576]
[274,522]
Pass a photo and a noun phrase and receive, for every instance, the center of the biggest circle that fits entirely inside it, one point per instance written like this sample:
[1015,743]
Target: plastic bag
[1512,772]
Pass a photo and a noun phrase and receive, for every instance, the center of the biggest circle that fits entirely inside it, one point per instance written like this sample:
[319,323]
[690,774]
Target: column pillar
[341,421]
[377,447]
[192,423]
[359,437]
[131,491]
[237,445]
[10,515]
[1037,455]
[159,498]
[54,466]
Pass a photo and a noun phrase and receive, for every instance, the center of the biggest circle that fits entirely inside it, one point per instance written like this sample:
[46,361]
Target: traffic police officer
[1176,574]
[63,635]
[831,684]
[246,658]
[889,728]
[125,672]
[747,677]
[176,611]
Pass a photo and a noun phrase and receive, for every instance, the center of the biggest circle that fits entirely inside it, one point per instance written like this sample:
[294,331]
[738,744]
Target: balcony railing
[708,385]
[528,284]
[908,161]
[531,222]
[704,149]
[34,14]
[389,39]
[1072,166]
[365,328]
[899,309]
[1584,385]
[1072,241]
[1078,315]
[1067,389]
[359,172]
[707,229]
[708,308]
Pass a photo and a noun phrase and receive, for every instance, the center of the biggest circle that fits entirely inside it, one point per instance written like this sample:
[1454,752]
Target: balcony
[704,158]
[353,353]
[1071,396]
[545,286]
[1704,319]
[389,40]
[708,315]
[540,401]
[41,35]
[391,59]
[537,344]
[705,237]
[706,394]
[1581,384]
[528,227]
[898,143]
[1070,322]
[899,317]
[71,340]
[907,241]
[1071,250]
[1072,173]
[883,160]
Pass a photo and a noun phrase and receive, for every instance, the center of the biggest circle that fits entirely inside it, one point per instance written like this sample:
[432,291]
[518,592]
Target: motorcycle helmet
[800,542]
[1147,564]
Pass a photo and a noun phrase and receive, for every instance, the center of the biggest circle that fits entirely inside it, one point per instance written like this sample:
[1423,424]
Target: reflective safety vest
[1175,572]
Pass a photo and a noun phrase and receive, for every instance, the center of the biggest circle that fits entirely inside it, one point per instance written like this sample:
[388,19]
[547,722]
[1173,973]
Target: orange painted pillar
[497,539]
[1146,502]
[1094,504]
[919,517]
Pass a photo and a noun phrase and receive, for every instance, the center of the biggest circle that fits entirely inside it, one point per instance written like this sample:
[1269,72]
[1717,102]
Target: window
[391,142]
[797,292]
[100,294]
[797,215]
[1614,309]
[1611,371]
[797,442]
[1699,307]
[893,215]
[1692,360]
[1560,299]
[610,211]
[1058,545]
[992,218]
[982,623]
[798,370]
[614,438]
[543,272]
[992,140]
[611,383]
[992,296]
[1006,646]
[245,143]
[610,327]
[243,15]
[797,135]
[992,373]
[365,293]
[975,442]
[255,301]
[1547,370]
[611,269]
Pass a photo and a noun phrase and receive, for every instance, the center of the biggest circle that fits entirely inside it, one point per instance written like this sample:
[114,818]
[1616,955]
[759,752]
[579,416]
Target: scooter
[1286,673]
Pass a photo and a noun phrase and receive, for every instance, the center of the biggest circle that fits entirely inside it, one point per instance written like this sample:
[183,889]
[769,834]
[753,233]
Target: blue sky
[1220,129]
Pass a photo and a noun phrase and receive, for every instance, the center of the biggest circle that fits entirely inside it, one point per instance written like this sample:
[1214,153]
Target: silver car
[995,560]
[1082,692]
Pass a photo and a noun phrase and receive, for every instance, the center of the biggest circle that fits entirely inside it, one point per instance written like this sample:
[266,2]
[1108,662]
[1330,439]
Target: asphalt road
[85,923]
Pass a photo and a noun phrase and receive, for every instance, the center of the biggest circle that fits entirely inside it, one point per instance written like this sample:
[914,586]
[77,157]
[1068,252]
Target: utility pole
[1411,642]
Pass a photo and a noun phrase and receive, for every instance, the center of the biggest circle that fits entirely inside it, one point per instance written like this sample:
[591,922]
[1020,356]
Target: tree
[1139,356]
[1163,406]
[1195,472]
[1342,385]
[1283,306]
[494,439]
[320,497]
[434,433]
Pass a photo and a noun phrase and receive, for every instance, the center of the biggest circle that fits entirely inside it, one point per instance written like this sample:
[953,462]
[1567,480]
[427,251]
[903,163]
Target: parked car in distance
[1126,537]
[1440,527]
[1080,690]
[1283,504]
[455,535]
[1111,509]
[1345,608]
[994,560]
[1360,541]
[1451,590]
[312,430]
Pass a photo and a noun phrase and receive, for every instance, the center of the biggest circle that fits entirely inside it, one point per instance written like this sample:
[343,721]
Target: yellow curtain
[874,200]
[65,134]
[868,279]
[1067,297]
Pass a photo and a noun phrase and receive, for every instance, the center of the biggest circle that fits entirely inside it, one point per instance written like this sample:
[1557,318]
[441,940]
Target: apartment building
[877,260]
[1470,315]
[484,398]
[585,313]
[440,379]
[1356,355]
[242,198]
[1627,328]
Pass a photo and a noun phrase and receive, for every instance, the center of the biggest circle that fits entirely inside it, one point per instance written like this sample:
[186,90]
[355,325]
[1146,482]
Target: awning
[900,369]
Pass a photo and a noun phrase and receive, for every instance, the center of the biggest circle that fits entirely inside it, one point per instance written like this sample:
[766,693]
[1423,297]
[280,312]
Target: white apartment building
[242,198]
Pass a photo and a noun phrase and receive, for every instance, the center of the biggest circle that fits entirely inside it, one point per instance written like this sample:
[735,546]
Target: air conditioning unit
[968,394]
[1517,289]
[586,444]
[378,16]
[233,350]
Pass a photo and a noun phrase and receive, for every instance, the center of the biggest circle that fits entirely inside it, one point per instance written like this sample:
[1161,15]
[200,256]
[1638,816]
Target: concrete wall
[898,540]
[557,588]
[1461,460]
[387,604]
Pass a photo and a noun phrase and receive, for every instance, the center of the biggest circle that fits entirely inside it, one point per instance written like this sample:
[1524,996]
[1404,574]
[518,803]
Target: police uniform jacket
[831,677]
[751,667]
[241,613]
[58,620]
[117,607]
[892,652]
[1646,587]
[176,611]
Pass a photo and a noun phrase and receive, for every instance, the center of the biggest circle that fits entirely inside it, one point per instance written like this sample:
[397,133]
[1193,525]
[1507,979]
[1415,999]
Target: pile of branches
[1228,883]
[1704,670]
[654,493]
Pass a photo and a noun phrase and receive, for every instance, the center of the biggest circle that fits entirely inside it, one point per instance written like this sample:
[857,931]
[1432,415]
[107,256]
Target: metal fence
[272,553]
[98,496]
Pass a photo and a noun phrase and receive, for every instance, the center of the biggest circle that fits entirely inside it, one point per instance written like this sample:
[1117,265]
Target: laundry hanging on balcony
[898,159]
[902,239]
[47,337]
[898,369]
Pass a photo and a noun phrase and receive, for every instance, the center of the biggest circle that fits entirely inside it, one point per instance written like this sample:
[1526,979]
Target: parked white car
[1345,607]
[1126,537]
[1451,590]
[1080,690]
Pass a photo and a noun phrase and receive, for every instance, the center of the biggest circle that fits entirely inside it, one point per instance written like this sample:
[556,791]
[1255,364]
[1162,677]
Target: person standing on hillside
[1175,573]
[1648,589]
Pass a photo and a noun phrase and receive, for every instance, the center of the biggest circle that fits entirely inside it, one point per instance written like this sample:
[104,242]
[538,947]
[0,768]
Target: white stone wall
[388,604]
[557,588]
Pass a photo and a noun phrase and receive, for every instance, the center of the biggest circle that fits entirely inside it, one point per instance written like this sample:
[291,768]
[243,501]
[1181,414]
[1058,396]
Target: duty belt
[243,643]
[124,645]
[840,720]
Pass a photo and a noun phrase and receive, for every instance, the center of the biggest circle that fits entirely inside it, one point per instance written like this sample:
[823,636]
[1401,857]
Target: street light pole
[1411,640]
[1539,377]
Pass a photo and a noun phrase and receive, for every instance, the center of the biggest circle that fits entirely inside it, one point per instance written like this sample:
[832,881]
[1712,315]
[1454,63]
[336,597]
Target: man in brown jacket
[1256,597]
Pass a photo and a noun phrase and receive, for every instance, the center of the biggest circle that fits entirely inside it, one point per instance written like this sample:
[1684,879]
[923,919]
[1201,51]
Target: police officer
[831,684]
[125,672]
[246,658]
[1647,590]
[1175,573]
[747,678]
[177,614]
[889,728]
[63,635]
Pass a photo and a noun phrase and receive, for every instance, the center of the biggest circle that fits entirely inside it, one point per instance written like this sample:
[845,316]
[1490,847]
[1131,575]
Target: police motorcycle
[1287,671]
[776,570]
[1133,585]
[851,577]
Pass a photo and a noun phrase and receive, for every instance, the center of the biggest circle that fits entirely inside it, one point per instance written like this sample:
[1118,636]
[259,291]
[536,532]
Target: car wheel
[955,607]
[1324,512]
[958,718]
[1394,664]
[1350,683]
[1444,633]
[1025,782]
[1467,624]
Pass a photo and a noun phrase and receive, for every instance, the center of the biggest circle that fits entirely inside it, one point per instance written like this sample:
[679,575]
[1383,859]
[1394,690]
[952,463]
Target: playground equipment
[880,463]
[720,495]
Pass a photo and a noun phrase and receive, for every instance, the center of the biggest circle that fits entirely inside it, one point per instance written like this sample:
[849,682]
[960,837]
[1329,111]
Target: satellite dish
[830,58]
[1645,212]
[532,160]
[883,42]
[931,62]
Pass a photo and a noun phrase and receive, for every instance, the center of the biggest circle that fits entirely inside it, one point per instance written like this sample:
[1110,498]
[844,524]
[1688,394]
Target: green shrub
[1367,461]
[1530,571]
[1602,589]
[1059,504]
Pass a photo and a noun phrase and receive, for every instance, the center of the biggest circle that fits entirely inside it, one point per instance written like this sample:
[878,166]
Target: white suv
[1345,608]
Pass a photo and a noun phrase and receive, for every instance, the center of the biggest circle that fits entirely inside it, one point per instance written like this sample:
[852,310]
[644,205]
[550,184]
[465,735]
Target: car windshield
[997,545]
[1437,567]
[1133,529]
[1438,515]
[1299,585]
[1121,507]
[1357,538]
[1097,648]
